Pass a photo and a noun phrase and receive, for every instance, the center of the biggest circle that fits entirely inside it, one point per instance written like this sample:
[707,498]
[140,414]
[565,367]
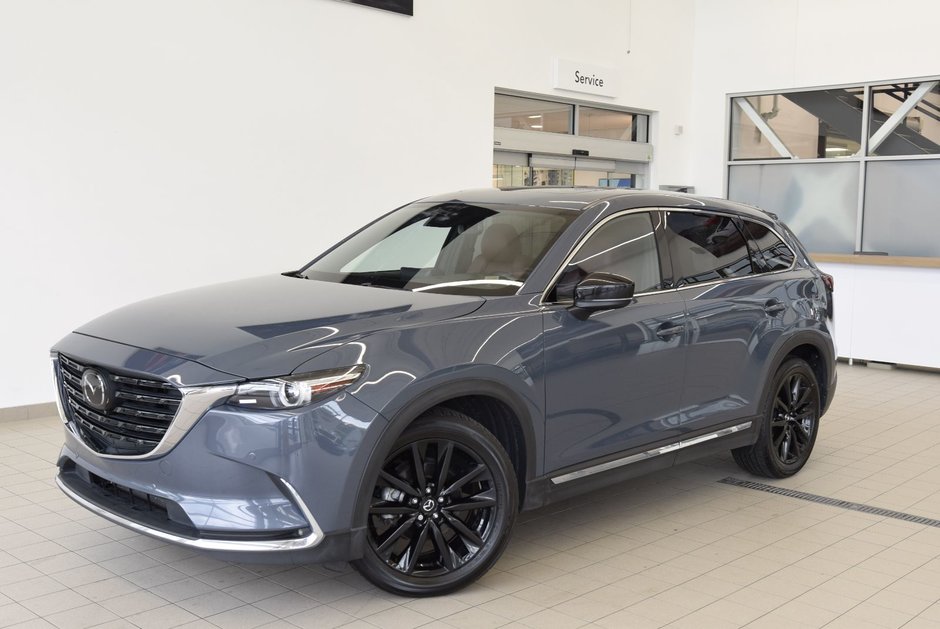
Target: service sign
[576,76]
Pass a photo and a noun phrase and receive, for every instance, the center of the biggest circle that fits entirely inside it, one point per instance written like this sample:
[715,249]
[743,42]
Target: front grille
[140,413]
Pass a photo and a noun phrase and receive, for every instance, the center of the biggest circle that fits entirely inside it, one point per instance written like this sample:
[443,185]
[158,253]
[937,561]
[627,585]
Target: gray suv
[397,401]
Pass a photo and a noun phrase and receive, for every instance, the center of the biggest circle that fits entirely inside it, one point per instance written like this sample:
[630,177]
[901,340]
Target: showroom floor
[677,549]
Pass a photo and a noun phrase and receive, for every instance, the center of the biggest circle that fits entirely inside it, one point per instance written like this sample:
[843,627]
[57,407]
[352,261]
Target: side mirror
[603,290]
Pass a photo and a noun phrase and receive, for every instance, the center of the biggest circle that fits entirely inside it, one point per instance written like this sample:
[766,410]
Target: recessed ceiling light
[536,116]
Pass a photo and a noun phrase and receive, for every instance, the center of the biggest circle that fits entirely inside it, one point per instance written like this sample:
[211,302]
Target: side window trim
[665,258]
[657,217]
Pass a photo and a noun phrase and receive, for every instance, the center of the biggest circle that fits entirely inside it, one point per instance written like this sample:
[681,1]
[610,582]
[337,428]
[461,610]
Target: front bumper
[119,507]
[278,486]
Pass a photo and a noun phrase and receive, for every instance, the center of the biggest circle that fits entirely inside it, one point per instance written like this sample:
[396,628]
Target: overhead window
[905,119]
[614,125]
[531,114]
[801,125]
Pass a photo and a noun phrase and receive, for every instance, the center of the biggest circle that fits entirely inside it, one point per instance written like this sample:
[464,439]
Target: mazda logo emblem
[97,390]
[429,504]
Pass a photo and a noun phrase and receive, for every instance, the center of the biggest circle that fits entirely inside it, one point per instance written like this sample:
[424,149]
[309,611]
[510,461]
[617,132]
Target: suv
[397,401]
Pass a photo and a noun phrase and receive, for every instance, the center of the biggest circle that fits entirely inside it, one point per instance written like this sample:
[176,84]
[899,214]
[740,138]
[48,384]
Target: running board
[649,454]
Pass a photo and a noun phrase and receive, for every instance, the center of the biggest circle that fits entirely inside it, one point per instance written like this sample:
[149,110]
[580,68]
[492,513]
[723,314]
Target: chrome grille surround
[145,411]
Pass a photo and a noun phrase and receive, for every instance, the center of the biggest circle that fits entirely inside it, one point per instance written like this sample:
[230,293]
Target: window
[805,125]
[705,247]
[531,114]
[614,125]
[535,114]
[771,254]
[625,246]
[905,119]
[453,247]
[848,168]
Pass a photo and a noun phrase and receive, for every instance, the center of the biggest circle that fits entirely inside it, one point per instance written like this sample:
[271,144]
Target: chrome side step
[649,454]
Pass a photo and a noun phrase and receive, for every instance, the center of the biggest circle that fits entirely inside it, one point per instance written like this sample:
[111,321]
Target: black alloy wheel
[441,508]
[790,425]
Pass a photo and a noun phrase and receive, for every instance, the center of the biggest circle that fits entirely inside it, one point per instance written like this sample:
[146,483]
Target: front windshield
[454,247]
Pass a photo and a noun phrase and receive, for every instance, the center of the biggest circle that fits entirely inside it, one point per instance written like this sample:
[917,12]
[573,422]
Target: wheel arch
[816,349]
[490,402]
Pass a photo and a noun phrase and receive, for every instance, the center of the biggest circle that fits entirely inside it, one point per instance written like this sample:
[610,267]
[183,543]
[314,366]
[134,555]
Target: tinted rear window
[772,254]
[705,247]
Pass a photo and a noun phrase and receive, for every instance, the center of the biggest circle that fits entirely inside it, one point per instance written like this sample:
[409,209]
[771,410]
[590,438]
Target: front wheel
[440,511]
[789,425]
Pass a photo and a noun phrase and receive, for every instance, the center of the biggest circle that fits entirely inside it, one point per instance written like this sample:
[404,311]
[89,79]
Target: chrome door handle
[774,307]
[666,331]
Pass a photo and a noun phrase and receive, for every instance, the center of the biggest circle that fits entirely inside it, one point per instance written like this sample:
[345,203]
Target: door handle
[666,330]
[774,307]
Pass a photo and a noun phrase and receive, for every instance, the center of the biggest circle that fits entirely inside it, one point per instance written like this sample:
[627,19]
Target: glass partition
[510,176]
[902,207]
[818,201]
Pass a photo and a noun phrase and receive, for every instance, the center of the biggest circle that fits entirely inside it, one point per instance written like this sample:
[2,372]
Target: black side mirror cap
[603,290]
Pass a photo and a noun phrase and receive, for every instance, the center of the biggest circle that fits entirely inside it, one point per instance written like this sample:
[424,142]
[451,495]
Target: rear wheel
[789,425]
[440,511]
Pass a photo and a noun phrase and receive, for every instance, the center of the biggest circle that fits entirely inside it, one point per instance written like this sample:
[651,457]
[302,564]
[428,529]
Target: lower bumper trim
[225,545]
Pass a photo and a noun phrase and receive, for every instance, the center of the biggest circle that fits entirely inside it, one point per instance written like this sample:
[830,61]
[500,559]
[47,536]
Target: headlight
[294,391]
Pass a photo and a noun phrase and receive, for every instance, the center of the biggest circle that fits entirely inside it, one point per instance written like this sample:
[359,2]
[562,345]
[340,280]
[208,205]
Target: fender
[815,337]
[431,391]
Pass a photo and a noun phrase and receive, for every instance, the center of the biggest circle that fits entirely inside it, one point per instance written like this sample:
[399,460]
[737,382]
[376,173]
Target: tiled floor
[676,549]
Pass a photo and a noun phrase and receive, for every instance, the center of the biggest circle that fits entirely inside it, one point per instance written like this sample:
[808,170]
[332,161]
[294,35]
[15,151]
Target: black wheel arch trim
[817,339]
[436,391]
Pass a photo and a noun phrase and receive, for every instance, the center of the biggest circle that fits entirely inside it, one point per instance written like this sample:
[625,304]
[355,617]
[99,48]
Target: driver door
[613,377]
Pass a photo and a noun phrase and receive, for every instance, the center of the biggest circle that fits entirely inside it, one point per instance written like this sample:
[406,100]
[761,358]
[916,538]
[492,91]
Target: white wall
[147,147]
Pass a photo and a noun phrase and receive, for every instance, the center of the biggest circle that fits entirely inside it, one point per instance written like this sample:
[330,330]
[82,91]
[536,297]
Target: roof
[577,198]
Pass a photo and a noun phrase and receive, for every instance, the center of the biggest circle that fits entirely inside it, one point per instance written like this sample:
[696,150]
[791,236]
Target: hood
[270,325]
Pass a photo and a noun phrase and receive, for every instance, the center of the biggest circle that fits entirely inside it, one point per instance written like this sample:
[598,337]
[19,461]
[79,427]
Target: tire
[789,424]
[440,511]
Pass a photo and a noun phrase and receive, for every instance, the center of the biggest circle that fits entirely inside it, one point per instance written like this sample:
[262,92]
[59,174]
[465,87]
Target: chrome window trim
[731,279]
[308,541]
[193,405]
[649,454]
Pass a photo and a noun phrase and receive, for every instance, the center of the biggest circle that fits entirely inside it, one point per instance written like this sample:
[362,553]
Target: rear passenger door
[733,315]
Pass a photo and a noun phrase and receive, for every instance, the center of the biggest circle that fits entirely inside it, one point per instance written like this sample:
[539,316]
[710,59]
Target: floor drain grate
[833,502]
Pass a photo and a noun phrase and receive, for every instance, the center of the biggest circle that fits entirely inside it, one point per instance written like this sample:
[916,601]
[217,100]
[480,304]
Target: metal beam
[898,116]
[764,128]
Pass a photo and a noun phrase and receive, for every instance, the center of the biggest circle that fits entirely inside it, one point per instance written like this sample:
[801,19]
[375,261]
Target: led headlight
[294,391]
